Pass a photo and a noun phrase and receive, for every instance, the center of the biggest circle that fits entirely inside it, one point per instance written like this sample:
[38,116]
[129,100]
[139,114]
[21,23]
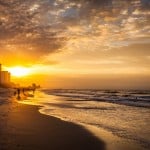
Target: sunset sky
[77,43]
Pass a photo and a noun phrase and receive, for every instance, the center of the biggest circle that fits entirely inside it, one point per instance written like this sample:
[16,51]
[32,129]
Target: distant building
[4,77]
[0,73]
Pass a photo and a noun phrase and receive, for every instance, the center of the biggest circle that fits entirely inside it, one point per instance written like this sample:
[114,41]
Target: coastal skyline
[77,44]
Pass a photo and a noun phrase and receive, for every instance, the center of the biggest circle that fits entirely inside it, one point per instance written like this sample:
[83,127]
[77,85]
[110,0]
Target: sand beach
[22,127]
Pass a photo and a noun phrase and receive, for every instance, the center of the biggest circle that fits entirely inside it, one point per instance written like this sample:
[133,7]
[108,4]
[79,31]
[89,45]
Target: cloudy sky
[97,43]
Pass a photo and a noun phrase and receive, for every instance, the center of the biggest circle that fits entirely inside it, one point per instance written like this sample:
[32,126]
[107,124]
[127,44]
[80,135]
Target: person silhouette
[18,93]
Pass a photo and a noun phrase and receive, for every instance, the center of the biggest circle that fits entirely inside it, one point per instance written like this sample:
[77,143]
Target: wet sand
[22,127]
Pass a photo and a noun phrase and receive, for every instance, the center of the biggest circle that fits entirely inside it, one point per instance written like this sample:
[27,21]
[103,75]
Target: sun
[19,71]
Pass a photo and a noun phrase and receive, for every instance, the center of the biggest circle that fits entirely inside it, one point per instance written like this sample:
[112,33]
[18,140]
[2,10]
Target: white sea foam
[134,98]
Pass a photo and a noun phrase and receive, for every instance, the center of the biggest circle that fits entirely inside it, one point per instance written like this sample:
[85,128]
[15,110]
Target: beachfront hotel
[4,77]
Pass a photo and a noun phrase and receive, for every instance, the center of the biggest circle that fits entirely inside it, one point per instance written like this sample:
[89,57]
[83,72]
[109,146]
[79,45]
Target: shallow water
[126,120]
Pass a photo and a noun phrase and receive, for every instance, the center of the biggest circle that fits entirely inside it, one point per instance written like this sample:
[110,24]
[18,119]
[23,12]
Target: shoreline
[24,127]
[112,140]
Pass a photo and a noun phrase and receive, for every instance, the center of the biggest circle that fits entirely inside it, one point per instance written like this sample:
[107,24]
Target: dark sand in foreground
[22,127]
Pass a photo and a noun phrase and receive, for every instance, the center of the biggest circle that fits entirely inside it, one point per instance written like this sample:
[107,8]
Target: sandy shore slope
[22,127]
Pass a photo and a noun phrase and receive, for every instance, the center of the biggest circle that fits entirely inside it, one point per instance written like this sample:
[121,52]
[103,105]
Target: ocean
[125,114]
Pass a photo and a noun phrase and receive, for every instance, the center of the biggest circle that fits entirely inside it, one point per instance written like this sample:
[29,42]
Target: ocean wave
[131,98]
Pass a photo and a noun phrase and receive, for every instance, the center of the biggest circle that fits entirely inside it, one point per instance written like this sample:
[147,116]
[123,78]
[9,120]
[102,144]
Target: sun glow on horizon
[19,71]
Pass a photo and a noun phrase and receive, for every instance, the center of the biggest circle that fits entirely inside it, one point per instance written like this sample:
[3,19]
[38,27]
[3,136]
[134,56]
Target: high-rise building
[0,67]
[4,76]
[0,72]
